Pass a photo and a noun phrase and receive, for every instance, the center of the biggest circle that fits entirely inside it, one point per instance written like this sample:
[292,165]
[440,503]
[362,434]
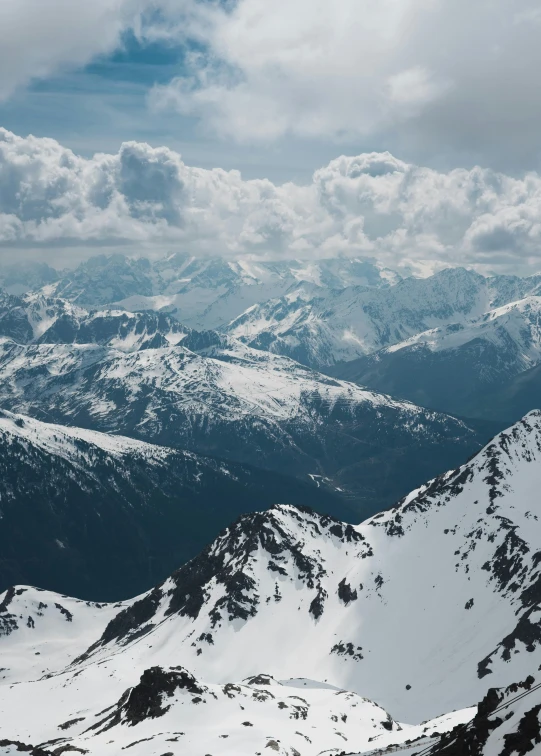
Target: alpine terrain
[209,661]
[105,516]
[147,376]
[459,367]
[444,341]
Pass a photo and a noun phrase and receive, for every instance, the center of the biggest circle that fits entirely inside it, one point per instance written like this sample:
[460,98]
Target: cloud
[433,76]
[370,204]
[38,38]
[447,82]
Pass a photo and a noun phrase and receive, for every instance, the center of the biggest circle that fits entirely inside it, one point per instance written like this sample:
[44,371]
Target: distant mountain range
[147,376]
[445,342]
[201,292]
[452,368]
[284,631]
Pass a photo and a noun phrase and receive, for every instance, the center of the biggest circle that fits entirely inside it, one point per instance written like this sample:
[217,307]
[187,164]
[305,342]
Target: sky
[401,129]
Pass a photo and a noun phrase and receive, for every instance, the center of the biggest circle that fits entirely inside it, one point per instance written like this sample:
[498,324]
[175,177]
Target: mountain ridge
[105,516]
[469,541]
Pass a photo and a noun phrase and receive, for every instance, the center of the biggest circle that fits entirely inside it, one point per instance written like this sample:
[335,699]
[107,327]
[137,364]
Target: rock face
[11,748]
[105,517]
[508,722]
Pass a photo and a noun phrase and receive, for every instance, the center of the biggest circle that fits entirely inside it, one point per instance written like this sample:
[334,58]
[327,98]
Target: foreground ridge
[409,615]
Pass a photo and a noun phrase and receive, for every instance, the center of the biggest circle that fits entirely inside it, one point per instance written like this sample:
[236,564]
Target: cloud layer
[372,204]
[449,79]
[444,76]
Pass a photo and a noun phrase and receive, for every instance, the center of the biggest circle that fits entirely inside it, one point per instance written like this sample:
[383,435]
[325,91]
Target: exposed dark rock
[317,604]
[25,748]
[470,739]
[348,649]
[146,700]
[345,592]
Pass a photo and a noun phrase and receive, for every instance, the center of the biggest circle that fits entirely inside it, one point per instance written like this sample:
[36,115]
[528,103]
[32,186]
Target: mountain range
[201,292]
[204,435]
[452,368]
[209,661]
[444,342]
[147,376]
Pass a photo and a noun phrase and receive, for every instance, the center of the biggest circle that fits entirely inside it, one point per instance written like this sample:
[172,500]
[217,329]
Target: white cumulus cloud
[370,204]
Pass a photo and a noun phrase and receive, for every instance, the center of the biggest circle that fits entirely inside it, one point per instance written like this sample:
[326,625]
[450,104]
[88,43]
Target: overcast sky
[417,92]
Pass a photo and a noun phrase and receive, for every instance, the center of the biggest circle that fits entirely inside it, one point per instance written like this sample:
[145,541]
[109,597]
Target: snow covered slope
[42,631]
[215,395]
[320,326]
[415,608]
[168,710]
[163,707]
[106,516]
[451,368]
[419,609]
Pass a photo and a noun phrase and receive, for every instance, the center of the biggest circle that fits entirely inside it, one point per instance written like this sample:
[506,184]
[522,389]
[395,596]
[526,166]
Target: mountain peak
[507,456]
[466,542]
[223,580]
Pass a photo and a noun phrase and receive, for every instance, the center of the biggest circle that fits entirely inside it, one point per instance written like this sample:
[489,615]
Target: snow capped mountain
[214,395]
[204,293]
[107,516]
[320,327]
[451,368]
[36,318]
[145,374]
[318,312]
[468,543]
[419,609]
[452,336]
[209,294]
